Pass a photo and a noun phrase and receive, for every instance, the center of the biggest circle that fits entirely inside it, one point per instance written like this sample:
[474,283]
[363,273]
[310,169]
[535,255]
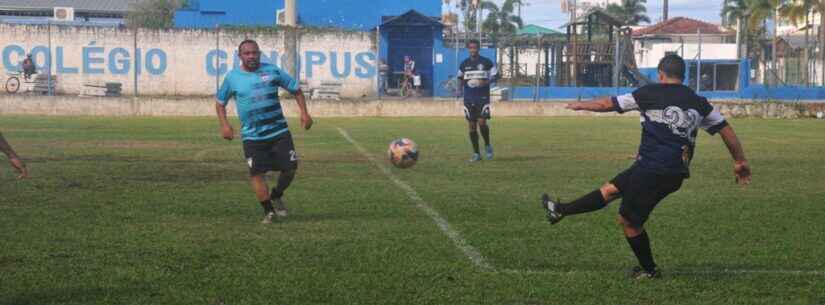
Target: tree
[737,10]
[630,12]
[759,12]
[501,21]
[153,14]
[800,11]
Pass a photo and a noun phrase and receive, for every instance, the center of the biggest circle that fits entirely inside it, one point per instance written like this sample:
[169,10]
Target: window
[715,76]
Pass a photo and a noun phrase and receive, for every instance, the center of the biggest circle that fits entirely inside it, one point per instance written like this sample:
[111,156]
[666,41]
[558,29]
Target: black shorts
[277,154]
[472,112]
[641,191]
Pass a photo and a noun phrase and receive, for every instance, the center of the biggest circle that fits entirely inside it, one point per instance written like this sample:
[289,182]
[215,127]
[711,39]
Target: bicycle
[13,82]
[406,86]
[453,86]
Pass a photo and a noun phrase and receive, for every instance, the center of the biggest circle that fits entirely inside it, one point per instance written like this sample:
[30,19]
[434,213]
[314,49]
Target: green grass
[159,211]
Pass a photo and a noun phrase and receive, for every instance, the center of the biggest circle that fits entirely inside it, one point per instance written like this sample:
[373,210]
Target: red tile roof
[682,26]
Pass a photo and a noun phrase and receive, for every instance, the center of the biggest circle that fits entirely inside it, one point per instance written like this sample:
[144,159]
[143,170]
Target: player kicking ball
[671,114]
[267,143]
[476,73]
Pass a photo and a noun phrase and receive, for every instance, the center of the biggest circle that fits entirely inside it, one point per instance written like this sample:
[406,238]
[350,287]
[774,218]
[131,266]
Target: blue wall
[360,14]
[349,14]
[209,13]
[448,68]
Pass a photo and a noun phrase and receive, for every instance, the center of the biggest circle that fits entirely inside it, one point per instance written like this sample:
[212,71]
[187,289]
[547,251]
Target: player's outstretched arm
[306,120]
[15,161]
[741,169]
[226,129]
[602,104]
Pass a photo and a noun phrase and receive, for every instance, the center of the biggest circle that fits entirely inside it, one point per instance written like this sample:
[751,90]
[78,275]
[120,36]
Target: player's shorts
[472,112]
[641,191]
[277,154]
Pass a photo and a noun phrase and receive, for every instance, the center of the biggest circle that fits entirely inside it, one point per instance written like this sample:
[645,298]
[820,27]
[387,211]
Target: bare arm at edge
[602,104]
[741,169]
[226,129]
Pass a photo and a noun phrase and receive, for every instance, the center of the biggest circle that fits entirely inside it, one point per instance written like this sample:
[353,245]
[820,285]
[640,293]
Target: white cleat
[268,218]
[280,208]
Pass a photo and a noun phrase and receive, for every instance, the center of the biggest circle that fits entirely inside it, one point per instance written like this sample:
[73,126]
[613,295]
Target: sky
[547,13]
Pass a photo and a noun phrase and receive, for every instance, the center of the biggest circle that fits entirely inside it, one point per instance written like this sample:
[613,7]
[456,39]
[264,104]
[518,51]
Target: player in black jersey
[671,115]
[476,73]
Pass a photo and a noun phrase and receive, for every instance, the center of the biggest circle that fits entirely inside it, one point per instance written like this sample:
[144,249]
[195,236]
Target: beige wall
[181,62]
[145,106]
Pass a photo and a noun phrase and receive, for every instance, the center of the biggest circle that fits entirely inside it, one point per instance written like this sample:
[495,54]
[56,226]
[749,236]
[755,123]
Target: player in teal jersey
[267,142]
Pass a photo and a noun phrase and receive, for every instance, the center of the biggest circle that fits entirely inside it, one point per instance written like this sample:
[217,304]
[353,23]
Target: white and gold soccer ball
[403,153]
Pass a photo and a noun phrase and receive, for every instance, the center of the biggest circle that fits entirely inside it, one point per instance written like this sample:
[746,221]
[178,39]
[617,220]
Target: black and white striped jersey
[472,70]
[671,115]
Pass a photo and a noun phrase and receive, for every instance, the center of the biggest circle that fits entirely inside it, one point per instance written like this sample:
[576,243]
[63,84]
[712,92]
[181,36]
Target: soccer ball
[403,153]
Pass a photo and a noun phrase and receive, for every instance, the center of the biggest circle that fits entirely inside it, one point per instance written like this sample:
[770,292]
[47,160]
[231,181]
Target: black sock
[267,205]
[641,247]
[474,140]
[485,133]
[284,179]
[587,203]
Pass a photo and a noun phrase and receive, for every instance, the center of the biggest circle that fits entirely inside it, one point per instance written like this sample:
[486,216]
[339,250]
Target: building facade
[66,12]
[346,14]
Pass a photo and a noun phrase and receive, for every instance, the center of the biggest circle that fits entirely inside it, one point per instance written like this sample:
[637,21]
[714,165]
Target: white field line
[469,251]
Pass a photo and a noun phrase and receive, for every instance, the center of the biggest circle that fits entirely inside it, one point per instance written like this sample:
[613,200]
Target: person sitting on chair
[411,78]
[28,67]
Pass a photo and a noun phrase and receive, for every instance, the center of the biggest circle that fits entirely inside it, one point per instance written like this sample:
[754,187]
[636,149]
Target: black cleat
[553,215]
[639,273]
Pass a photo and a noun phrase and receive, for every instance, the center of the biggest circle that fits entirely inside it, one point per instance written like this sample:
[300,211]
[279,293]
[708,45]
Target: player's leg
[593,201]
[286,161]
[262,194]
[646,191]
[261,190]
[639,243]
[485,130]
[257,159]
[471,113]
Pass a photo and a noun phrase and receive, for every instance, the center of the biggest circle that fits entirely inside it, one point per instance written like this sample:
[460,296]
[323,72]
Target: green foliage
[153,14]
[630,12]
[501,21]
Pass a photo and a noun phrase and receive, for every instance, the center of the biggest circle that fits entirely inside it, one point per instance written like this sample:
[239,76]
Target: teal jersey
[256,98]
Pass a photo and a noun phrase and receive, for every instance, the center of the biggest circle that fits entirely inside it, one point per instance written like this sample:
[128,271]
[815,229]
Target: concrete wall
[648,54]
[61,105]
[181,62]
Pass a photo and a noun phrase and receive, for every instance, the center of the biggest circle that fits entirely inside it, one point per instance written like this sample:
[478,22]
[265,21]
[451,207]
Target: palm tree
[800,11]
[630,12]
[738,10]
[760,11]
[502,20]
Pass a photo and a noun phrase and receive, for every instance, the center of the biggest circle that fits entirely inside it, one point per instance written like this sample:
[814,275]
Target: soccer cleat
[553,215]
[639,273]
[489,152]
[475,158]
[280,207]
[268,218]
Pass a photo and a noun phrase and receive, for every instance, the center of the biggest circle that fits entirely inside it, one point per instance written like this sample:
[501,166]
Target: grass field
[159,211]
